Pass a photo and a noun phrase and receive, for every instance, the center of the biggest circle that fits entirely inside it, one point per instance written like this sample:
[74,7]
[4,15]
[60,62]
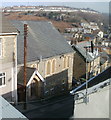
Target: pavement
[36,104]
[29,107]
[59,109]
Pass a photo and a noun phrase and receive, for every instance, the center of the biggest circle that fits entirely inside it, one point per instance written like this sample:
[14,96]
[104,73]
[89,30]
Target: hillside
[60,20]
[60,25]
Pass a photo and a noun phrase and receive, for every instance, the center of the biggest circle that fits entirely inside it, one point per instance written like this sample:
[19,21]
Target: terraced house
[8,60]
[86,61]
[49,60]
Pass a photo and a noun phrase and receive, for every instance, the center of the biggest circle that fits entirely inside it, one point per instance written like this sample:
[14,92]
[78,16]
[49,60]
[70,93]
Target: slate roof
[7,111]
[80,49]
[104,57]
[44,41]
[92,36]
[6,26]
[20,75]
[107,40]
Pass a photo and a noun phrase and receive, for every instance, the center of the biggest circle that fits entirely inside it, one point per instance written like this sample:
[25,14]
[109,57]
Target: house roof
[6,26]
[107,40]
[80,49]
[104,57]
[92,36]
[20,75]
[44,41]
[67,35]
[8,111]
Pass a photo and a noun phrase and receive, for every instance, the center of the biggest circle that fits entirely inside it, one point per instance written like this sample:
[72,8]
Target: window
[65,62]
[48,68]
[2,79]
[68,61]
[0,47]
[53,66]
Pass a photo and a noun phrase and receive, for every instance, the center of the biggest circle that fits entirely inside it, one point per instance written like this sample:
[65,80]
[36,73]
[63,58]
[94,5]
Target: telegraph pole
[86,95]
[86,75]
[25,61]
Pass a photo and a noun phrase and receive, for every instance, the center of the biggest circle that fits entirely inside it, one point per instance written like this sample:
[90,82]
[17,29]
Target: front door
[33,89]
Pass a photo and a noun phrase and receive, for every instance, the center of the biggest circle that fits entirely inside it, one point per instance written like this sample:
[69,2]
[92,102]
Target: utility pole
[25,61]
[86,96]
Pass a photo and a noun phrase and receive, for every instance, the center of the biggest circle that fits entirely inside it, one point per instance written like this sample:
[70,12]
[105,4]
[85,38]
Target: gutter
[9,33]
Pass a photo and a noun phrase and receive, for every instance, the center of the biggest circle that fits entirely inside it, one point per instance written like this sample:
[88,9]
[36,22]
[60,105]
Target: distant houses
[83,31]
[46,9]
[84,27]
[91,25]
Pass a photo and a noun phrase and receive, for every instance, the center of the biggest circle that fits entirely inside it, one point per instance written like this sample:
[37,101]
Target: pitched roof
[8,111]
[92,36]
[44,41]
[6,26]
[104,57]
[80,48]
[20,75]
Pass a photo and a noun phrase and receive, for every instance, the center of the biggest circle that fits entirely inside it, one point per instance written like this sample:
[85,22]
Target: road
[62,108]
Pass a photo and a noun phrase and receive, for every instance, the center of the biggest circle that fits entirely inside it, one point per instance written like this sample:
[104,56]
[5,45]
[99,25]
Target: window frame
[48,67]
[68,61]
[53,70]
[3,79]
[64,64]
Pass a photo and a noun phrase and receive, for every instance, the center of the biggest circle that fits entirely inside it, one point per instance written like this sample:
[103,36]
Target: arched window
[48,68]
[68,61]
[64,62]
[53,66]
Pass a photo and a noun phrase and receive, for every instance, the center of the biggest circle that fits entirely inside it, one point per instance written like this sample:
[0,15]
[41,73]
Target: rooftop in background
[104,57]
[91,36]
[8,111]
[44,41]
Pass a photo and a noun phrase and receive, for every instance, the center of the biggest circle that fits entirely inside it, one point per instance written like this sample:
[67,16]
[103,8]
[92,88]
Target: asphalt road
[56,108]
